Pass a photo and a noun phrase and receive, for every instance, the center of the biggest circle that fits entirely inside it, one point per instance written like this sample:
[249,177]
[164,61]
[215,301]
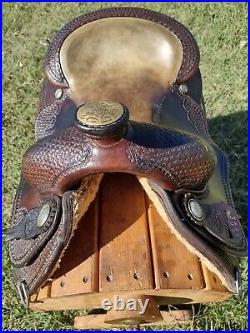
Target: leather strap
[32,231]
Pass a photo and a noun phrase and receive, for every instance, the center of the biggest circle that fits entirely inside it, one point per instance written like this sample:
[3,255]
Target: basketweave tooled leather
[174,151]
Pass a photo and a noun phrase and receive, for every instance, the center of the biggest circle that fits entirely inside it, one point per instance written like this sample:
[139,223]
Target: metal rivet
[190,276]
[85,279]
[166,275]
[183,88]
[62,284]
[109,277]
[58,93]
[195,209]
[136,276]
[43,215]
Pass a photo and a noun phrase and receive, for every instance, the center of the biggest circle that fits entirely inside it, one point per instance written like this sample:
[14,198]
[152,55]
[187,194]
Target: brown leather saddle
[122,94]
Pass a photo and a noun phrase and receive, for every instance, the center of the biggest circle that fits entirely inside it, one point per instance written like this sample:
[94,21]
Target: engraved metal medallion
[43,215]
[99,113]
[196,209]
[58,93]
[183,88]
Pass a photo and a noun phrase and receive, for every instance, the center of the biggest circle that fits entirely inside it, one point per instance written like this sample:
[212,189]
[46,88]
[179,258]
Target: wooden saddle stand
[124,198]
[128,251]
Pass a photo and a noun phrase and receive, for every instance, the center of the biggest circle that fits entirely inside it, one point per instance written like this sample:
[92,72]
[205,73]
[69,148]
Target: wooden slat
[211,280]
[125,250]
[43,293]
[174,266]
[94,300]
[97,321]
[151,312]
[125,261]
[79,266]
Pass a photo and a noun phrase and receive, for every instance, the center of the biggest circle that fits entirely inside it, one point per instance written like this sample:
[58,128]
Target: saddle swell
[172,159]
[122,93]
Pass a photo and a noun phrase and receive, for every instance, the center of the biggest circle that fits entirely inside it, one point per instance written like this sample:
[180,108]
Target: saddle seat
[130,60]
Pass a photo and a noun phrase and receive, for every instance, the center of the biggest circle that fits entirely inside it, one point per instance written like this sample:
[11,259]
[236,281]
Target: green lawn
[221,31]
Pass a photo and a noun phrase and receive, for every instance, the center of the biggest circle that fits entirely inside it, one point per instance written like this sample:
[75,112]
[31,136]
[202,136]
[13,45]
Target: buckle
[23,293]
[238,285]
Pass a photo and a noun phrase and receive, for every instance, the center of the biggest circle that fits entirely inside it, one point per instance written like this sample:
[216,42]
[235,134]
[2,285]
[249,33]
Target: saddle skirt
[122,94]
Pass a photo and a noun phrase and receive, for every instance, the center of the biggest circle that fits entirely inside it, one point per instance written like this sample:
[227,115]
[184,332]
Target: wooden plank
[78,272]
[43,293]
[174,317]
[93,300]
[174,266]
[125,261]
[97,321]
[125,250]
[151,312]
[211,280]
[93,321]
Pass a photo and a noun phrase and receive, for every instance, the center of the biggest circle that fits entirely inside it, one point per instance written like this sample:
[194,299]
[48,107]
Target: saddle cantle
[122,94]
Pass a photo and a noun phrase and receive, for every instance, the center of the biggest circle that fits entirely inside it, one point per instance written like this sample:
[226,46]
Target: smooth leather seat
[130,60]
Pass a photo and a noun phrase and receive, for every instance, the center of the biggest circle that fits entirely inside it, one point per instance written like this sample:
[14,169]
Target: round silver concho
[195,210]
[43,215]
[58,93]
[183,88]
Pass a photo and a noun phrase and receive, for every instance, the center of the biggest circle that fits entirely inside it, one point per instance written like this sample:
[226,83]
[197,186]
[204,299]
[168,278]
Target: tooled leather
[222,260]
[194,112]
[223,222]
[184,169]
[180,159]
[195,116]
[194,120]
[46,119]
[219,224]
[18,213]
[43,267]
[190,49]
[31,247]
[47,95]
[183,158]
[49,160]
[49,109]
[16,256]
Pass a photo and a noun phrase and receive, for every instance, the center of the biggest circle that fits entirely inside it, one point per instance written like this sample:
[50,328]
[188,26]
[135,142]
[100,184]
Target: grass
[221,32]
